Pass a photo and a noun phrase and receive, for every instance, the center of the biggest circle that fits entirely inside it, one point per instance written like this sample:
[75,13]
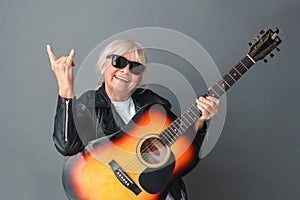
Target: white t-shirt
[125,109]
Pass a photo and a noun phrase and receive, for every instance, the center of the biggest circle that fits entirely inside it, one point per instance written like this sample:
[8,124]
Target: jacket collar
[101,98]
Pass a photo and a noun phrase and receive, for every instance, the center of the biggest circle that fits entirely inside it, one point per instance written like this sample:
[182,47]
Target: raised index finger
[51,55]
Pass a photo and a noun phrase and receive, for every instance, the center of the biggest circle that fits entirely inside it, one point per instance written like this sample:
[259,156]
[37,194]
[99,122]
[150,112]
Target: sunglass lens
[137,68]
[119,61]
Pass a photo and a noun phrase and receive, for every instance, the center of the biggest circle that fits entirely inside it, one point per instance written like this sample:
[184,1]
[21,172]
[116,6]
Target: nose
[126,69]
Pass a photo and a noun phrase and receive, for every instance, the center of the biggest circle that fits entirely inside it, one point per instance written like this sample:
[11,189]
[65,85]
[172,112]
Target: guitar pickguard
[154,180]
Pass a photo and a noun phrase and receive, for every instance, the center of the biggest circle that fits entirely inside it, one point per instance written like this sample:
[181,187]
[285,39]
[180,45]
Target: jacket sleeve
[65,136]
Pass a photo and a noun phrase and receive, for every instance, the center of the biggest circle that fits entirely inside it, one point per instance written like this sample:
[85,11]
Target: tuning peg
[250,44]
[262,32]
[277,30]
[271,55]
[265,60]
[277,49]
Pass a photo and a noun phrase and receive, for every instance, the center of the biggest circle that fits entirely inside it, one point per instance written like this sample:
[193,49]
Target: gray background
[257,156]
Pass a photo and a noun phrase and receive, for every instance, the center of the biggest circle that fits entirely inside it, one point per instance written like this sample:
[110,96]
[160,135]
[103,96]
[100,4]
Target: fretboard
[190,116]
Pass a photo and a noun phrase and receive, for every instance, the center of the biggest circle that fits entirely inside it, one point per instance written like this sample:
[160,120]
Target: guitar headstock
[266,43]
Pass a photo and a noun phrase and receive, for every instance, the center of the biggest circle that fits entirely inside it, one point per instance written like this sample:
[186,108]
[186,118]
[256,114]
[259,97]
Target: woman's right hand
[62,68]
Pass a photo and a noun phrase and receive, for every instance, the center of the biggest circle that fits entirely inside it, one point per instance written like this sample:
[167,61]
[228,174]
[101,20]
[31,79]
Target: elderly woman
[109,108]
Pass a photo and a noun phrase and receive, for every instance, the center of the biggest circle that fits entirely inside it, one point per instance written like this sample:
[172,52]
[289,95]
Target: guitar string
[179,120]
[225,78]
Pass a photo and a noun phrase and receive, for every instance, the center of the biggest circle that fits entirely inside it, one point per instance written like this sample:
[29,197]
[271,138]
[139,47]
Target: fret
[248,61]
[187,118]
[235,74]
[211,92]
[174,131]
[236,69]
[233,79]
[195,111]
[164,139]
[224,84]
[190,113]
[193,114]
[241,68]
[229,79]
[185,121]
[167,135]
[222,87]
[182,129]
[218,89]
[182,121]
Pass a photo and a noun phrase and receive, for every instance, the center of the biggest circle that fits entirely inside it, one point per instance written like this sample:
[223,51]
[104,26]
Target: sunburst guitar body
[139,162]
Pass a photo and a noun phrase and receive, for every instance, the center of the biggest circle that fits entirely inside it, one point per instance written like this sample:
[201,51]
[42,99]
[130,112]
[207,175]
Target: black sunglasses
[121,62]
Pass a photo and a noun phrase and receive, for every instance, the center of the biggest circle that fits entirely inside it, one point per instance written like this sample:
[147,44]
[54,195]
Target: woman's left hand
[208,106]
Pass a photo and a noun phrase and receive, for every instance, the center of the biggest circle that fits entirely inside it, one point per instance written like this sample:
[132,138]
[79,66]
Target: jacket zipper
[66,120]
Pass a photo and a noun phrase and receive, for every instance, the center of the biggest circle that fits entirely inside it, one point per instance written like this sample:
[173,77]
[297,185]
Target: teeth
[122,78]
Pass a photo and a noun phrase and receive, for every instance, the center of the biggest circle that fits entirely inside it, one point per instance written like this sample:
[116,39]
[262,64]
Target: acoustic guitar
[153,150]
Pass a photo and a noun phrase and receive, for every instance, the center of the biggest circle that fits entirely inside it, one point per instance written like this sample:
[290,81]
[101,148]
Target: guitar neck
[230,78]
[190,116]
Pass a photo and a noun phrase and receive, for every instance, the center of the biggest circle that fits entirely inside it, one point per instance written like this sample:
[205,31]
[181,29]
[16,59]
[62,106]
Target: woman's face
[119,83]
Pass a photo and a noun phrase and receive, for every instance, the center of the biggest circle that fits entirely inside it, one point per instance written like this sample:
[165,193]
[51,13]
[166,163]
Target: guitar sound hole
[153,151]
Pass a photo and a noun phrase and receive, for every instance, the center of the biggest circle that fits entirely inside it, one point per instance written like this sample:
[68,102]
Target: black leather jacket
[78,121]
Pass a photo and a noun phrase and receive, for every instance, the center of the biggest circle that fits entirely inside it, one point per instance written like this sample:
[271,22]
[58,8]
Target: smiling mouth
[122,78]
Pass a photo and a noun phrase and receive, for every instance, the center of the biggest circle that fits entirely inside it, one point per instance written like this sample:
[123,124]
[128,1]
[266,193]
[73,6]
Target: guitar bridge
[124,178]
